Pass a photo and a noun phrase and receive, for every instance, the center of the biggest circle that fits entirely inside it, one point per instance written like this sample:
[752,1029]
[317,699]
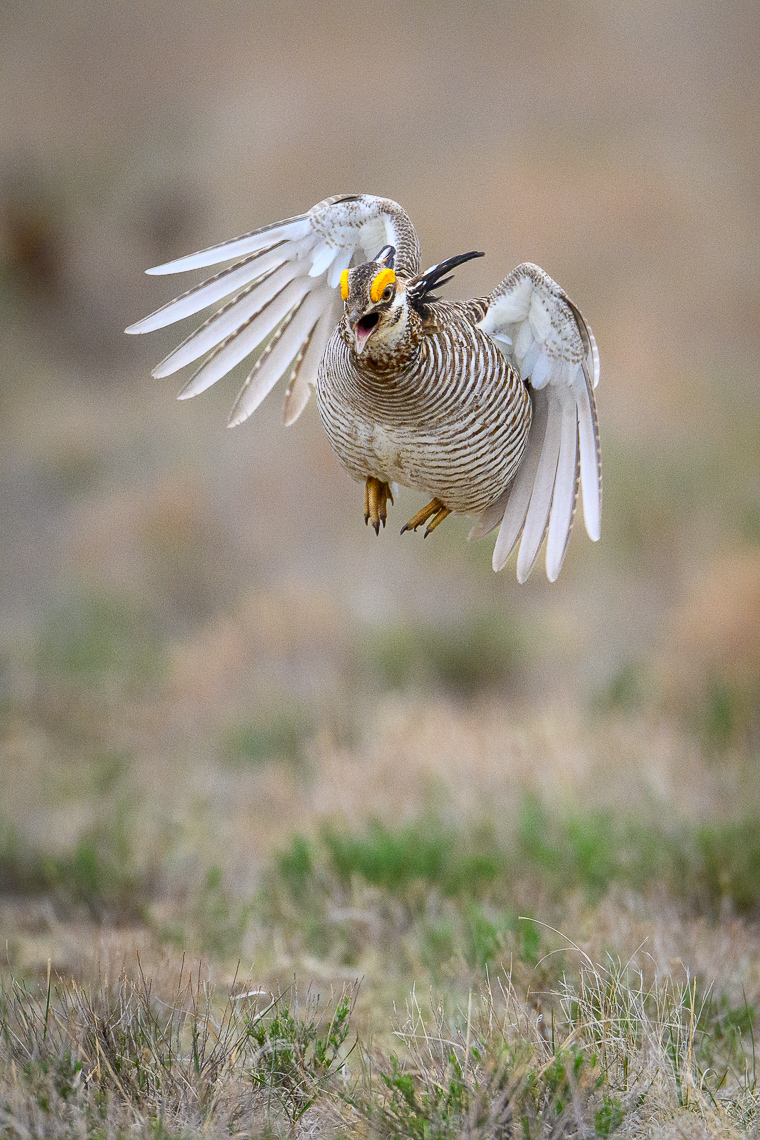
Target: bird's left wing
[544,336]
[282,285]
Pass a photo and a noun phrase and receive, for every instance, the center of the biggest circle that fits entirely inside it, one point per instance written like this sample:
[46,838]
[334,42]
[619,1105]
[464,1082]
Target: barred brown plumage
[486,405]
[453,419]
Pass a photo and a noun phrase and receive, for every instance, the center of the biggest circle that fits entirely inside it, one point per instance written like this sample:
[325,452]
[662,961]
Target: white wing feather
[287,342]
[304,375]
[544,336]
[241,342]
[565,493]
[258,301]
[537,517]
[518,500]
[282,282]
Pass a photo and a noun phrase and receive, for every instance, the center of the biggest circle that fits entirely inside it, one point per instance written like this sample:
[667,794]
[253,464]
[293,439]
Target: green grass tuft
[425,851]
[460,889]
[97,874]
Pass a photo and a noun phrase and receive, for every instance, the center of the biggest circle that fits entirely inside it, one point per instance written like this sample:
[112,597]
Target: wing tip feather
[499,561]
[177,265]
[523,572]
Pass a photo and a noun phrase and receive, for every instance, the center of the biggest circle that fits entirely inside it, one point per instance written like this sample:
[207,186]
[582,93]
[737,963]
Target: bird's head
[376,315]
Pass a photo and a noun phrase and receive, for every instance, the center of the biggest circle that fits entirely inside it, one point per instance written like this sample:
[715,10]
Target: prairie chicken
[486,405]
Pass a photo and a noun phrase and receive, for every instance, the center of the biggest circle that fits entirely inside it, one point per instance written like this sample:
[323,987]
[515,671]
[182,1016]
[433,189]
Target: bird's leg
[435,511]
[376,497]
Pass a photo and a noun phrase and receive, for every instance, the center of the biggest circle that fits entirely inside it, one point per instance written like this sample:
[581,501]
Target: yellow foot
[435,511]
[376,496]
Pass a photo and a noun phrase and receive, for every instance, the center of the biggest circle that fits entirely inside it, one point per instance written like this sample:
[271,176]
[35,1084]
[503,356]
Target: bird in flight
[486,405]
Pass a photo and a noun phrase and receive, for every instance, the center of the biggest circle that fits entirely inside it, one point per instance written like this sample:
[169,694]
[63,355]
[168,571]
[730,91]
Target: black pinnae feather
[420,288]
[444,281]
[387,256]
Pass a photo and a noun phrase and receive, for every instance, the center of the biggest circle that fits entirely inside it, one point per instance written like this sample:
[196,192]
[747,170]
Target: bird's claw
[435,511]
[376,497]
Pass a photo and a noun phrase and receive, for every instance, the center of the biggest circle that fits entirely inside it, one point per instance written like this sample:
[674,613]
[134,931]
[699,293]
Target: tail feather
[421,287]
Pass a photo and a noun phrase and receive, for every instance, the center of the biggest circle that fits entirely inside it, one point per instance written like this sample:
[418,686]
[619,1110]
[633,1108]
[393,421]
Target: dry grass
[567,1046]
[603,1054]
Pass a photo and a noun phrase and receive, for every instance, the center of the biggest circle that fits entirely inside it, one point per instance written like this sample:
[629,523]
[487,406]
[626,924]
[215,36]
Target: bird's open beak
[363,327]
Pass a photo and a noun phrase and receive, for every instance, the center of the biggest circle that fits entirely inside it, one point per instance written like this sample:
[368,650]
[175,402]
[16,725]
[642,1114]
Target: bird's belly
[459,463]
[391,454]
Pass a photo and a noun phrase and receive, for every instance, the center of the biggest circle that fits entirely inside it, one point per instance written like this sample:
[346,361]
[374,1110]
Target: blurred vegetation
[625,690]
[100,642]
[281,735]
[430,891]
[477,654]
[98,874]
[212,921]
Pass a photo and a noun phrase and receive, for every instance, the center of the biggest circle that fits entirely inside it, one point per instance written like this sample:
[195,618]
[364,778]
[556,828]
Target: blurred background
[206,659]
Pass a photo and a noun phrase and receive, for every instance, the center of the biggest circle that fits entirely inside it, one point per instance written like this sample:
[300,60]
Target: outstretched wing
[544,336]
[283,282]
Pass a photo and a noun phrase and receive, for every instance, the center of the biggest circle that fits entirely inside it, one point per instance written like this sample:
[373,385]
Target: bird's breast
[453,422]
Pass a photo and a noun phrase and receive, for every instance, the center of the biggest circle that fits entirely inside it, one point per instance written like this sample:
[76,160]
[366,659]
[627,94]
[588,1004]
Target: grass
[448,904]
[478,653]
[97,874]
[433,893]
[121,1056]
[212,920]
[518,1034]
[603,1055]
[542,858]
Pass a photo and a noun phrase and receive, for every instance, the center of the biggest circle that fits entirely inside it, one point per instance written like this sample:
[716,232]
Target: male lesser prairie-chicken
[486,405]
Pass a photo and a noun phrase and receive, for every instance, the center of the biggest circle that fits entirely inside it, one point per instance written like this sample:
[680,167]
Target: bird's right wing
[283,282]
[545,337]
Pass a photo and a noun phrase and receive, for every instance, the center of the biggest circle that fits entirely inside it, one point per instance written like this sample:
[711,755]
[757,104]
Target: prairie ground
[307,832]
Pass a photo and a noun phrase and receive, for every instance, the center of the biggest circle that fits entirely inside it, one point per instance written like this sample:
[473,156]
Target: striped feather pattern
[454,421]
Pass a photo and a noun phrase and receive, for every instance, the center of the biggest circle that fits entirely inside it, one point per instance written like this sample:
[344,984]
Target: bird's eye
[379,287]
[388,292]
